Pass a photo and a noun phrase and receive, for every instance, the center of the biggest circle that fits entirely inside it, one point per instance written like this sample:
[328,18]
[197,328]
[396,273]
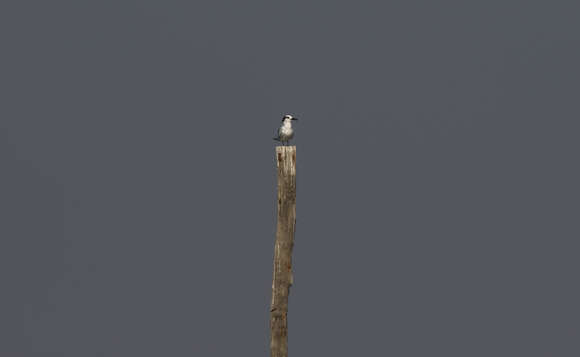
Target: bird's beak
[294,118]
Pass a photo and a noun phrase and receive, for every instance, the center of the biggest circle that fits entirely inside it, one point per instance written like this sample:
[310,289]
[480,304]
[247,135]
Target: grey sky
[437,200]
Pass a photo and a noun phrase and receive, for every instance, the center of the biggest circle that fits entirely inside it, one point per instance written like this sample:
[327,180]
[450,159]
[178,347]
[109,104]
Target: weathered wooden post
[282,276]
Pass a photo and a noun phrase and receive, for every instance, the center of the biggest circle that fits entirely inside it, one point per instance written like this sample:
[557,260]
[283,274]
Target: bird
[285,132]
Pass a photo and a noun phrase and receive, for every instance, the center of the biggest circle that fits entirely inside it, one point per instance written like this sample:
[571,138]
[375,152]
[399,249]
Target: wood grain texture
[282,276]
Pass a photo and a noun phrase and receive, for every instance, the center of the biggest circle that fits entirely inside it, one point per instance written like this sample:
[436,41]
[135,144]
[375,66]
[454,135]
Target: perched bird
[285,132]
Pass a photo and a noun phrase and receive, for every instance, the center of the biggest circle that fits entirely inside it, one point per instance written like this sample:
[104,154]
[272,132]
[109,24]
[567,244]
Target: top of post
[286,159]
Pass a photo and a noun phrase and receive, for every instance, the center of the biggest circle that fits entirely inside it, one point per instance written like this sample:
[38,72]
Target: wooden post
[282,276]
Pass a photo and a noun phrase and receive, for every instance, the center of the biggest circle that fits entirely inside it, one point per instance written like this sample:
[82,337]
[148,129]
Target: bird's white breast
[286,131]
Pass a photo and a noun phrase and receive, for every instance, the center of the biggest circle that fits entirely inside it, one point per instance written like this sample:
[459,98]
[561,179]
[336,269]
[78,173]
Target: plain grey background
[438,198]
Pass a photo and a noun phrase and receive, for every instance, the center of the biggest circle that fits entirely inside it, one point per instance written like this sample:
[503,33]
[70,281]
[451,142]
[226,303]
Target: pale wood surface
[282,275]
